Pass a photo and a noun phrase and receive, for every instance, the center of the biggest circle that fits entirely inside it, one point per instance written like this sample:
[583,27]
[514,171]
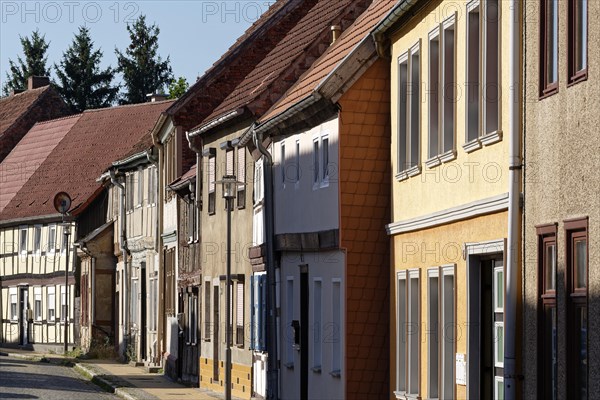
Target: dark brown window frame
[547,235]
[546,89]
[575,76]
[575,298]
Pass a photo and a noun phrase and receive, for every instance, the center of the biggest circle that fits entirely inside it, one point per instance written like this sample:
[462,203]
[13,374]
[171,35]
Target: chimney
[16,91]
[336,31]
[34,82]
[154,97]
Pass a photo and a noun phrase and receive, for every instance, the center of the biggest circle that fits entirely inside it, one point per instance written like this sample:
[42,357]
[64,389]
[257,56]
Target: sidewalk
[131,383]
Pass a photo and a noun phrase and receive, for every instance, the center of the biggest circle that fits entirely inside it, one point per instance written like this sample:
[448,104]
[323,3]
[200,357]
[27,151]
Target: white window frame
[405,169]
[37,240]
[337,336]
[445,271]
[297,166]
[498,308]
[52,244]
[497,379]
[63,245]
[37,309]
[23,246]
[63,303]
[325,172]
[152,186]
[13,299]
[192,319]
[51,291]
[239,316]
[404,305]
[441,154]
[433,327]
[316,151]
[497,363]
[282,163]
[140,187]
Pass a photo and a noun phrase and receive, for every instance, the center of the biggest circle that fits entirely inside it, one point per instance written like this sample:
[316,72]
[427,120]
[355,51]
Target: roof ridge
[25,92]
[148,103]
[56,119]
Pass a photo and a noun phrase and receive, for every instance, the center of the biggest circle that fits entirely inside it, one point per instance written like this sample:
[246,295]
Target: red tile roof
[292,54]
[29,154]
[332,57]
[19,112]
[88,148]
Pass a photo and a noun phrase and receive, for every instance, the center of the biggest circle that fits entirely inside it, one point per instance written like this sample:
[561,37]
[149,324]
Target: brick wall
[365,209]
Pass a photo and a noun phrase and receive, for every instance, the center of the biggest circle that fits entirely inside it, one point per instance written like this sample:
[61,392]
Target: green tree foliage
[178,87]
[143,69]
[82,83]
[34,50]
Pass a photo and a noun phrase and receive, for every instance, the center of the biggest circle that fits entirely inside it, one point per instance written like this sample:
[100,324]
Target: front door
[492,330]
[304,333]
[24,321]
[144,321]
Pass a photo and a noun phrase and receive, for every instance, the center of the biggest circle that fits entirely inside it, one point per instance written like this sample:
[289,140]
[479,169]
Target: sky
[193,33]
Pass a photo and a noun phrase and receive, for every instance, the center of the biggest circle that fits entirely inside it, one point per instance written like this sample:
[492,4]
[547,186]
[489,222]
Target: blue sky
[193,33]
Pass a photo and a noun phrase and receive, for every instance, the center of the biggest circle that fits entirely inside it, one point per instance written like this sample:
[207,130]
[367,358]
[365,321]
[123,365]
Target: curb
[94,377]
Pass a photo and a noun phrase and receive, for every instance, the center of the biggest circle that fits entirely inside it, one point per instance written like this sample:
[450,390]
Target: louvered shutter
[229,162]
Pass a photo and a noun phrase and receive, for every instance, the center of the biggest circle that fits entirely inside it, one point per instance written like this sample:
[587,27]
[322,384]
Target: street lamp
[62,204]
[230,186]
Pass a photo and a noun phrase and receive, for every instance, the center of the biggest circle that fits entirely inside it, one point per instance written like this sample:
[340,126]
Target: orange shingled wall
[364,211]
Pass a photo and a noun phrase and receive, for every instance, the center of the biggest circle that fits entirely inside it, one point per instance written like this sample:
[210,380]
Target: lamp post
[62,204]
[230,185]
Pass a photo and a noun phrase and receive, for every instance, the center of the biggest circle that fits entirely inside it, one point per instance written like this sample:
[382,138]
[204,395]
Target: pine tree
[34,50]
[143,69]
[82,83]
[178,87]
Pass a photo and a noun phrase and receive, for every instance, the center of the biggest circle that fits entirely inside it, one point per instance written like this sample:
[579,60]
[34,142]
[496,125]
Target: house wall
[562,160]
[318,202]
[364,211]
[480,174]
[434,247]
[213,258]
[25,267]
[326,267]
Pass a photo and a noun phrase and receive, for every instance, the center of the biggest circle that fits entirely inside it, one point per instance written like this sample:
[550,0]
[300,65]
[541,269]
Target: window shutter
[240,304]
[211,174]
[241,166]
[229,162]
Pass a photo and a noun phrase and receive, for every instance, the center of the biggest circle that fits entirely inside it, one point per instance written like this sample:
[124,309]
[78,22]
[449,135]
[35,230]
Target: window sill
[441,158]
[289,365]
[491,138]
[400,395]
[471,146]
[408,173]
[336,373]
[577,78]
[548,93]
[316,370]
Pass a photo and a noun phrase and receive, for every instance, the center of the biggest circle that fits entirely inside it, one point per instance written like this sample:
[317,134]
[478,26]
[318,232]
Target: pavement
[124,380]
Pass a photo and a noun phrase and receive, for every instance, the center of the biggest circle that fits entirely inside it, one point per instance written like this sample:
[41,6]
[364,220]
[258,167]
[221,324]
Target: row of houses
[412,211]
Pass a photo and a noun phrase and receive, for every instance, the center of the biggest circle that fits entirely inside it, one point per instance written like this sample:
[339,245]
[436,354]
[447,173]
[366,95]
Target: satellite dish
[62,202]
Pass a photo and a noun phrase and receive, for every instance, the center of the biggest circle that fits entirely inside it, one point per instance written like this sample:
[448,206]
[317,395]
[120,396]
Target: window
[241,177]
[212,174]
[578,35]
[64,242]
[315,162]
[297,166]
[239,333]
[23,241]
[259,312]
[63,304]
[152,186]
[336,340]
[37,239]
[483,74]
[84,299]
[51,304]
[170,288]
[51,238]
[129,191]
[442,82]
[37,303]
[192,317]
[548,47]
[13,303]
[140,187]
[441,316]
[577,309]
[408,113]
[282,164]
[192,223]
[320,161]
[317,325]
[207,320]
[407,331]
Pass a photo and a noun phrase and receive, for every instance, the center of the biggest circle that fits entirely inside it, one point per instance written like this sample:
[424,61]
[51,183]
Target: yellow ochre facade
[450,183]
